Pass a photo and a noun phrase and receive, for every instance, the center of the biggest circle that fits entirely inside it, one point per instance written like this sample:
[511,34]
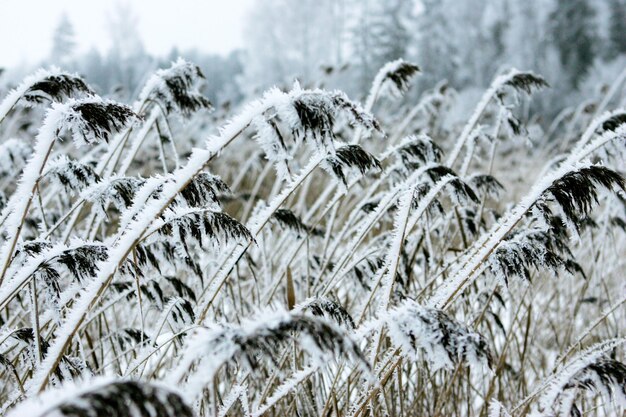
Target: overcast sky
[26,26]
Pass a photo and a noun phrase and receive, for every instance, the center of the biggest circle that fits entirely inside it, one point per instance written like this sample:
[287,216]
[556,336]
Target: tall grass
[310,256]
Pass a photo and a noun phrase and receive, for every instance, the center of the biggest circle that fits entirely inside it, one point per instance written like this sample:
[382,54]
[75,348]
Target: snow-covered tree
[574,33]
[63,41]
[617,27]
[437,50]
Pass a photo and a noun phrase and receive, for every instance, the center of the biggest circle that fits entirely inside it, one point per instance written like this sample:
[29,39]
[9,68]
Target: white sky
[26,26]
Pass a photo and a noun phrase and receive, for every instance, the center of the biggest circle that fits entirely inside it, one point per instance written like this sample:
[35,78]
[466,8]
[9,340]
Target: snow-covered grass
[309,255]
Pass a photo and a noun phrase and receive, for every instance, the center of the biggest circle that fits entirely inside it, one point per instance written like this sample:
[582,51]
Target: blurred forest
[579,46]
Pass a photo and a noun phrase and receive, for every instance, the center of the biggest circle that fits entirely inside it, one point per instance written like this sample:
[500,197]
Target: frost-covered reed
[309,255]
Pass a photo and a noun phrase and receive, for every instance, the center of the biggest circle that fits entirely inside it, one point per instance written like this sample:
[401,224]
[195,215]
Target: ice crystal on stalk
[350,158]
[56,87]
[312,115]
[394,77]
[418,149]
[444,341]
[13,156]
[113,398]
[119,191]
[257,341]
[72,175]
[93,120]
[272,142]
[202,225]
[592,371]
[174,89]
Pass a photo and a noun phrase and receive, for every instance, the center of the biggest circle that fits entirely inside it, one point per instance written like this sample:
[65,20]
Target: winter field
[307,253]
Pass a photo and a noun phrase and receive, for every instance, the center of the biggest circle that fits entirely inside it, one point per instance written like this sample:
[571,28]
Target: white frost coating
[147,190]
[416,329]
[135,230]
[270,143]
[162,343]
[382,84]
[425,104]
[555,384]
[284,389]
[22,273]
[19,203]
[68,173]
[14,95]
[45,403]
[238,392]
[48,401]
[13,155]
[154,82]
[177,213]
[156,85]
[402,225]
[369,221]
[495,86]
[73,121]
[213,345]
[594,125]
[471,145]
[254,225]
[496,409]
[487,243]
[128,237]
[428,198]
[392,257]
[138,140]
[216,344]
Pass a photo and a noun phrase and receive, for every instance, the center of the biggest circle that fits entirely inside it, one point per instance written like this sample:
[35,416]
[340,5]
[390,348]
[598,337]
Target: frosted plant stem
[11,99]
[59,222]
[590,328]
[255,225]
[284,389]
[93,222]
[133,233]
[483,248]
[20,201]
[587,356]
[369,222]
[138,140]
[35,320]
[403,224]
[495,86]
[593,126]
[611,93]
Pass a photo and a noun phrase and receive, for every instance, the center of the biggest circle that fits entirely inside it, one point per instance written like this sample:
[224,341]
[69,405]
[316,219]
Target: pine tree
[437,51]
[63,40]
[361,40]
[574,36]
[391,36]
[617,28]
[379,34]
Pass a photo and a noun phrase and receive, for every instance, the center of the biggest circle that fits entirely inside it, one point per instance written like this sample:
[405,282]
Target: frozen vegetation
[303,254]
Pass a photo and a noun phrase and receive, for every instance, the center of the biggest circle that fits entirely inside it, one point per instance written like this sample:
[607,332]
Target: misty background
[245,46]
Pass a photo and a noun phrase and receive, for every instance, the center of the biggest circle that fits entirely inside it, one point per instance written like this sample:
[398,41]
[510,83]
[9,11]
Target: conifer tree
[574,36]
